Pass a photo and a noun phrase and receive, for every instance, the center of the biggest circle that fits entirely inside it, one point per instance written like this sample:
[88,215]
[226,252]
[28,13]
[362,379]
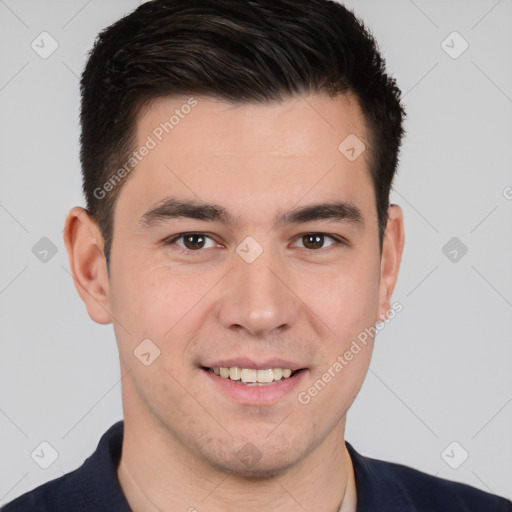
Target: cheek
[150,301]
[167,306]
[347,299]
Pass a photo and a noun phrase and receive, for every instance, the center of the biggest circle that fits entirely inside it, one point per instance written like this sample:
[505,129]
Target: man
[237,161]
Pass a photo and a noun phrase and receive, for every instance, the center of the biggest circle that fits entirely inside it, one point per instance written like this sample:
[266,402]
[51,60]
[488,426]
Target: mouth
[252,376]
[265,384]
[248,381]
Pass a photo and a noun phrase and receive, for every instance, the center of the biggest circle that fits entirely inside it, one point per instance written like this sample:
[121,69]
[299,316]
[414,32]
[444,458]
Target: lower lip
[265,394]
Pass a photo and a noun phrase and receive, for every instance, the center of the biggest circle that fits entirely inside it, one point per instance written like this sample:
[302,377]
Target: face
[245,239]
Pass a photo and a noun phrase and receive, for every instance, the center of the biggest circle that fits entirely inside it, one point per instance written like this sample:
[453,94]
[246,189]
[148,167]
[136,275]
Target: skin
[182,435]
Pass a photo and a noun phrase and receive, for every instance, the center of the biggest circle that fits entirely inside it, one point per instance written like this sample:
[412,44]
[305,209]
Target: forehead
[249,156]
[297,126]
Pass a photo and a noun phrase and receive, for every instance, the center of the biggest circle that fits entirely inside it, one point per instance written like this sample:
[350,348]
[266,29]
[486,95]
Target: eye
[194,242]
[316,241]
[191,241]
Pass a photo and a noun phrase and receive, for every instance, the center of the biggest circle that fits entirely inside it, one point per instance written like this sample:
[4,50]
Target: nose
[257,298]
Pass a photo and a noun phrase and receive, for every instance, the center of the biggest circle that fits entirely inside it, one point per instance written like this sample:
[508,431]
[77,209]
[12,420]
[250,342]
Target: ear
[392,248]
[84,245]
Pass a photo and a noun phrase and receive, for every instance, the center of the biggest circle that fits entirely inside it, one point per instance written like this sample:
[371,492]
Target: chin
[262,470]
[249,462]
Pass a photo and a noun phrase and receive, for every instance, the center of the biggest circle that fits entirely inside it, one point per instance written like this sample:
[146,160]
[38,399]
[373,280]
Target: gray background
[442,370]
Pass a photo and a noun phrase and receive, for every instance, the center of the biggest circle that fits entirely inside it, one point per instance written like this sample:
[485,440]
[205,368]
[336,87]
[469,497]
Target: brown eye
[194,241]
[313,241]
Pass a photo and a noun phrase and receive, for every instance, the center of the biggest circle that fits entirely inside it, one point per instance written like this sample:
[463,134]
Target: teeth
[251,376]
[265,375]
[235,373]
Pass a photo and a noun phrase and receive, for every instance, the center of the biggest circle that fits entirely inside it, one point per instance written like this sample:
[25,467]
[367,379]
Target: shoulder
[53,496]
[396,487]
[92,486]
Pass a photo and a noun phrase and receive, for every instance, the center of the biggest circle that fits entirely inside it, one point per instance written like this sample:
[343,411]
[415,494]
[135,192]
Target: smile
[251,375]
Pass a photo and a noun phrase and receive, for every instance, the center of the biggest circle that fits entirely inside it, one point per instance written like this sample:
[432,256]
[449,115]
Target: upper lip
[244,362]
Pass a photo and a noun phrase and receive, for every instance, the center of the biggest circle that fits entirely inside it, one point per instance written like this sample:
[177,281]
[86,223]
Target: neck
[158,473]
[152,484]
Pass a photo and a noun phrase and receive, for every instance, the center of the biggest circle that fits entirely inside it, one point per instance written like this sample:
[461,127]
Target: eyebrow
[172,208]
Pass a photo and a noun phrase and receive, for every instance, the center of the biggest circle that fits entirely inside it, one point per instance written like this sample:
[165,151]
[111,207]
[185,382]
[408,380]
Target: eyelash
[172,241]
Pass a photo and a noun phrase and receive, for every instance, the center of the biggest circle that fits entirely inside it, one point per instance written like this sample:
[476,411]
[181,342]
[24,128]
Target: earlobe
[84,245]
[392,249]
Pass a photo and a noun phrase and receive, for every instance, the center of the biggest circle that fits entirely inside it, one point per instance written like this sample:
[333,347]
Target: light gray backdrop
[438,396]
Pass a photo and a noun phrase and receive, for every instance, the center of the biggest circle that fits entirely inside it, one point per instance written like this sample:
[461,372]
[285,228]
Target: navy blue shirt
[381,487]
